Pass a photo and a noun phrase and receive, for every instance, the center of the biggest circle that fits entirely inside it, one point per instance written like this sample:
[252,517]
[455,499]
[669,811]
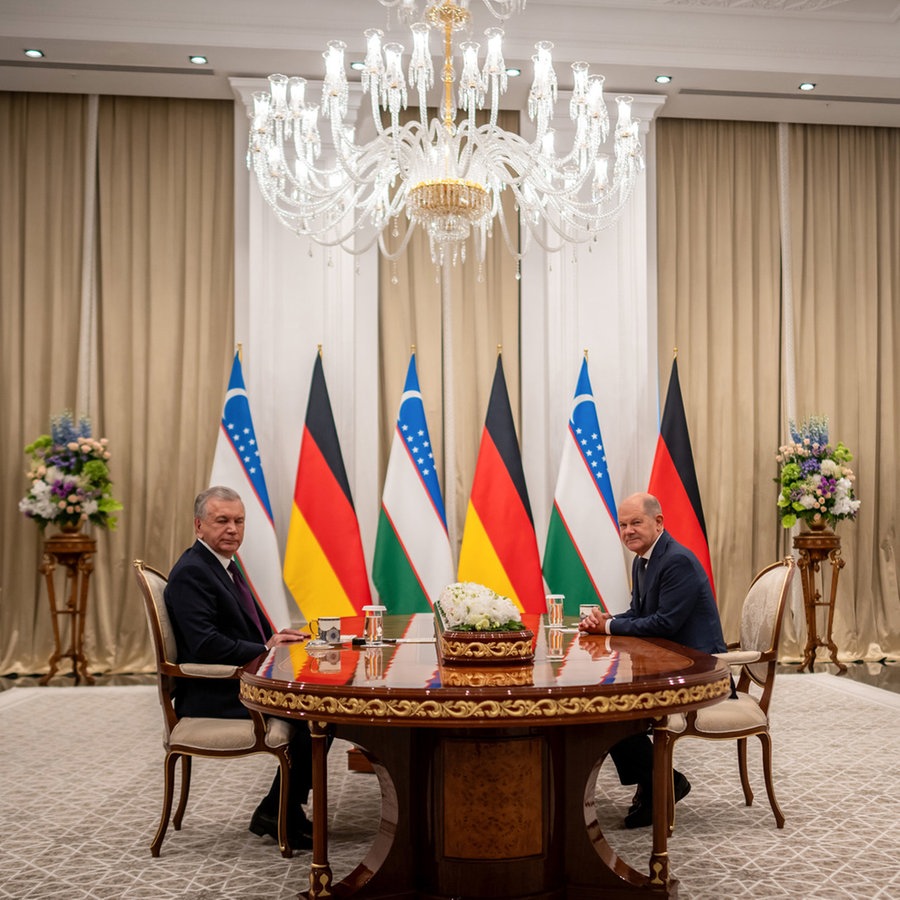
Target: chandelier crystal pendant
[445,176]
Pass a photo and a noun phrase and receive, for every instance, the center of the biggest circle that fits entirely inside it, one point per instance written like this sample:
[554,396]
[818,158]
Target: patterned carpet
[80,790]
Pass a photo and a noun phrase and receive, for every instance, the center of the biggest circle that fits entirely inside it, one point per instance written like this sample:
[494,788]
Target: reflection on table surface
[563,658]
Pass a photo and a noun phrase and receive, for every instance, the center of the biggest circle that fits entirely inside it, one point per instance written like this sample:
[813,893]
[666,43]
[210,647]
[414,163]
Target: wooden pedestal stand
[814,547]
[75,553]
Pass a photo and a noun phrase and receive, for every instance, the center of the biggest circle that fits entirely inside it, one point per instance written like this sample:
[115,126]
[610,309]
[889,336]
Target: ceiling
[729,59]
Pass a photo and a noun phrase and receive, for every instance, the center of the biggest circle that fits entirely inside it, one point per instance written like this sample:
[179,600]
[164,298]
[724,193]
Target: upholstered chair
[214,738]
[753,659]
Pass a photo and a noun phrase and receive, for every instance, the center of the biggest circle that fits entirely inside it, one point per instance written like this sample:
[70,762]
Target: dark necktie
[246,597]
[641,575]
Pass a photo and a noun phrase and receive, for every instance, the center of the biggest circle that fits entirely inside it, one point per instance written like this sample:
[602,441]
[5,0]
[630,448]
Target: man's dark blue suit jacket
[211,626]
[672,599]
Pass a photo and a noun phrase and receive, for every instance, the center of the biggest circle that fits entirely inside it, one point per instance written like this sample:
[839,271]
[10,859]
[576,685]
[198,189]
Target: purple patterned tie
[246,596]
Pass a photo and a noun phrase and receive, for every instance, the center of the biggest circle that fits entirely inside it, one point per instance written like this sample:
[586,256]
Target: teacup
[326,629]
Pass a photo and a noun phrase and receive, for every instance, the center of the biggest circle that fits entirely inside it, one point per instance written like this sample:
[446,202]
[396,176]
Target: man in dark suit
[670,598]
[216,620]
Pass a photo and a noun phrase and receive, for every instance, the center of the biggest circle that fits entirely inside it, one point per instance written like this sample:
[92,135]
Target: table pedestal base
[500,813]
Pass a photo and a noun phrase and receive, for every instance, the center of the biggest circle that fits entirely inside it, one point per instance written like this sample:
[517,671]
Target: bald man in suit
[670,598]
[216,620]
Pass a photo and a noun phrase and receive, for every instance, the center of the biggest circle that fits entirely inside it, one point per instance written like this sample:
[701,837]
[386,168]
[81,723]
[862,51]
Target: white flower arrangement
[466,606]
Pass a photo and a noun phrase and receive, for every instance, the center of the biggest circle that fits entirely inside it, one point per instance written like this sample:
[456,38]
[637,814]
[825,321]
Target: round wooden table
[487,773]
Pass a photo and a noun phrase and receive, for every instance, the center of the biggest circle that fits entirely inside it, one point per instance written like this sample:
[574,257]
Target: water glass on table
[555,604]
[373,630]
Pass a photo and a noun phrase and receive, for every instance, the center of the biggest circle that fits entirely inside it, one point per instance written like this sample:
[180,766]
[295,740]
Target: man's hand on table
[286,636]
[595,622]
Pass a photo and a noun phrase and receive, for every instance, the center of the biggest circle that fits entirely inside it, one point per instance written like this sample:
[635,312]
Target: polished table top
[573,678]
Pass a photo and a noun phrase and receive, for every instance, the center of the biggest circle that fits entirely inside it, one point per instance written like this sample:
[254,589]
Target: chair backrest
[762,614]
[153,585]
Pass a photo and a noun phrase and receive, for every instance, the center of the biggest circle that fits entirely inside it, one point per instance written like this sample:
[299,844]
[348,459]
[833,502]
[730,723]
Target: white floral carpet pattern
[81,786]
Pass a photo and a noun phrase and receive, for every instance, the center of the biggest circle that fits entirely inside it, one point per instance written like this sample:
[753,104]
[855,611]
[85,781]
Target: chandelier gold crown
[446,176]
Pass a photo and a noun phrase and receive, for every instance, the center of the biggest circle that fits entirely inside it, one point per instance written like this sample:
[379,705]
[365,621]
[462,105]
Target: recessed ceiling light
[357,65]
[198,60]
[808,86]
[513,72]
[663,79]
[34,54]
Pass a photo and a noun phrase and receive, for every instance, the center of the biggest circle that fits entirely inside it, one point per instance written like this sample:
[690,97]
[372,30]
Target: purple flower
[809,467]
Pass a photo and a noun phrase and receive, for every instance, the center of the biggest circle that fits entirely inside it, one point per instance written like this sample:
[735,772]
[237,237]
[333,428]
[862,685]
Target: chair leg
[742,768]
[284,767]
[168,791]
[185,790]
[766,742]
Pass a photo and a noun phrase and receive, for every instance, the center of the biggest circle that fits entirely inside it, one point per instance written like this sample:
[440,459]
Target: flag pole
[449,410]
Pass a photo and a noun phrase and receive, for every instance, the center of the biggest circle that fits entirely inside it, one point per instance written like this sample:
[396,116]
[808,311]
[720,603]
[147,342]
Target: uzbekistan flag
[412,562]
[499,549]
[237,465]
[673,480]
[324,566]
[583,558]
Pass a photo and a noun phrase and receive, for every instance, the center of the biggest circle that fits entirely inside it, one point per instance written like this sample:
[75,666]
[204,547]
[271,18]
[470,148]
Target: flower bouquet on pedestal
[476,625]
[815,477]
[69,477]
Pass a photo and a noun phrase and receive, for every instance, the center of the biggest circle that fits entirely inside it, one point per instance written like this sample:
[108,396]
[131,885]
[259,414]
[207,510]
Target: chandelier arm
[396,254]
[532,230]
[376,112]
[507,238]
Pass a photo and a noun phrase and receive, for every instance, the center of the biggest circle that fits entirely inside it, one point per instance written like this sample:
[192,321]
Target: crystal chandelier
[437,173]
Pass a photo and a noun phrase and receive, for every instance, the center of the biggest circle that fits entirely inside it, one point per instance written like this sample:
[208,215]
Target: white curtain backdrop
[291,295]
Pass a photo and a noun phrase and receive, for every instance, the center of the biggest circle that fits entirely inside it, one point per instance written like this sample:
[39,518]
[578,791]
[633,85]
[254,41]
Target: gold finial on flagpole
[674,353]
[499,349]
[319,350]
[585,353]
[240,352]
[412,348]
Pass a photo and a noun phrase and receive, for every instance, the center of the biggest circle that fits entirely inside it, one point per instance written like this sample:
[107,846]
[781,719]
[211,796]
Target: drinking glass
[374,623]
[555,609]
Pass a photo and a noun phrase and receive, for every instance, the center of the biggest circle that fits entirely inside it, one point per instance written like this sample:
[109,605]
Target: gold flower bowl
[482,647]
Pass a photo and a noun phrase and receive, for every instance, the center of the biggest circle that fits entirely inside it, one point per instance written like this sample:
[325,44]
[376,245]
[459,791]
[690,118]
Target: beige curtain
[845,233]
[42,140]
[484,316]
[719,304]
[163,340]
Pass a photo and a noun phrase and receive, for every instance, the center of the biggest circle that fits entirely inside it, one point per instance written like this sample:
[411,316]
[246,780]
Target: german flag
[499,549]
[673,480]
[324,565]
